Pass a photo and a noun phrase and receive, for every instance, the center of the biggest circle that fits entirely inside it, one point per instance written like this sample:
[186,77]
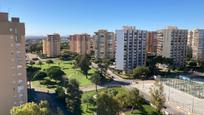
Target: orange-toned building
[51,45]
[151,43]
[13,80]
[81,43]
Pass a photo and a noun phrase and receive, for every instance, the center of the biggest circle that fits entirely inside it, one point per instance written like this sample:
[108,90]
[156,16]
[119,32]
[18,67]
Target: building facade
[196,43]
[130,48]
[13,82]
[81,43]
[151,43]
[51,45]
[105,44]
[172,43]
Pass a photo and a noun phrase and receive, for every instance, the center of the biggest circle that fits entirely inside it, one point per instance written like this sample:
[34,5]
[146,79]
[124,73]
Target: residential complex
[51,45]
[172,43]
[130,48]
[81,43]
[151,43]
[13,82]
[196,44]
[105,44]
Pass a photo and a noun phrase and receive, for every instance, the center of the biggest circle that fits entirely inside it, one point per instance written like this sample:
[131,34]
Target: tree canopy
[96,79]
[30,109]
[39,75]
[139,71]
[73,97]
[107,105]
[84,64]
[55,72]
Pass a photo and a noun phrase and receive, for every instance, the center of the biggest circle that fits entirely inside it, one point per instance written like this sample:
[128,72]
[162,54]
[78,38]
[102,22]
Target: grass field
[71,73]
[91,109]
[147,109]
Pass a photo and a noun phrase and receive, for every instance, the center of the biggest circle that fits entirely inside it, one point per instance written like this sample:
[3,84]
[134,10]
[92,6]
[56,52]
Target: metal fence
[188,86]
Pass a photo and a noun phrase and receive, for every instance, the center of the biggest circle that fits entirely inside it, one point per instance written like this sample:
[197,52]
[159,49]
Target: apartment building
[151,43]
[92,45]
[172,43]
[51,45]
[81,43]
[105,44]
[130,48]
[196,44]
[13,82]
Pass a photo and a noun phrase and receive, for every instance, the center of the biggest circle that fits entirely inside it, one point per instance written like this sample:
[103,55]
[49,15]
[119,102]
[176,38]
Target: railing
[188,86]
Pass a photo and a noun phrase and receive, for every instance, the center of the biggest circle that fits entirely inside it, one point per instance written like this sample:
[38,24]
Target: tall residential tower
[151,43]
[130,48]
[105,44]
[13,83]
[196,43]
[81,43]
[51,45]
[172,43]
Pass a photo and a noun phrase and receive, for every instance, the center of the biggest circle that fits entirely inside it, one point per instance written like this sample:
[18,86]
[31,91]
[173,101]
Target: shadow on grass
[54,103]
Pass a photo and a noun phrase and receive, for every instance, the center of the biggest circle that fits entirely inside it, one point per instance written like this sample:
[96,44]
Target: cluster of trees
[32,108]
[83,62]
[112,102]
[34,47]
[67,55]
[141,72]
[53,72]
[71,95]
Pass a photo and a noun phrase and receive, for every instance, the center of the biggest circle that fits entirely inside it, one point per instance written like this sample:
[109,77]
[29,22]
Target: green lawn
[67,67]
[91,109]
[147,109]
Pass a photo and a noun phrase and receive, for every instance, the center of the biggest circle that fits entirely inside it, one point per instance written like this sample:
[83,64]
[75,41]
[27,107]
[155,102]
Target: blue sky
[86,16]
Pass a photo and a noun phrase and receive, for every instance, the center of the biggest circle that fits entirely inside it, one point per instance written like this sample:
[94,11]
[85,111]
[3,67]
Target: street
[179,103]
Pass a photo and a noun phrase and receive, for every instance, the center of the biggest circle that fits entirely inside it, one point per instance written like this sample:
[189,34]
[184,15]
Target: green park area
[90,109]
[70,72]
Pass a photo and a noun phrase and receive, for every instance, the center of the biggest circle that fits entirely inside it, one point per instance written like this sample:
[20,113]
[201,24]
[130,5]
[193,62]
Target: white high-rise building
[130,48]
[172,43]
[196,43]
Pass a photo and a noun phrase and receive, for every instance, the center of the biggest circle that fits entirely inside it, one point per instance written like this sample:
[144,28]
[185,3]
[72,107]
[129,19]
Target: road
[144,86]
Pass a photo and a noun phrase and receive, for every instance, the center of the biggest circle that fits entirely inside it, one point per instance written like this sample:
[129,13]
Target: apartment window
[11,29]
[20,88]
[20,95]
[19,74]
[18,39]
[20,81]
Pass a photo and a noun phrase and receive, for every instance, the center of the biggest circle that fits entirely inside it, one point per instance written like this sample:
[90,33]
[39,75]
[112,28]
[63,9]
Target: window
[11,29]
[20,88]
[18,39]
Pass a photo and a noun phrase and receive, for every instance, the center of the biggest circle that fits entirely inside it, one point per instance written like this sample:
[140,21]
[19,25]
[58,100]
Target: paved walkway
[176,95]
[183,102]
